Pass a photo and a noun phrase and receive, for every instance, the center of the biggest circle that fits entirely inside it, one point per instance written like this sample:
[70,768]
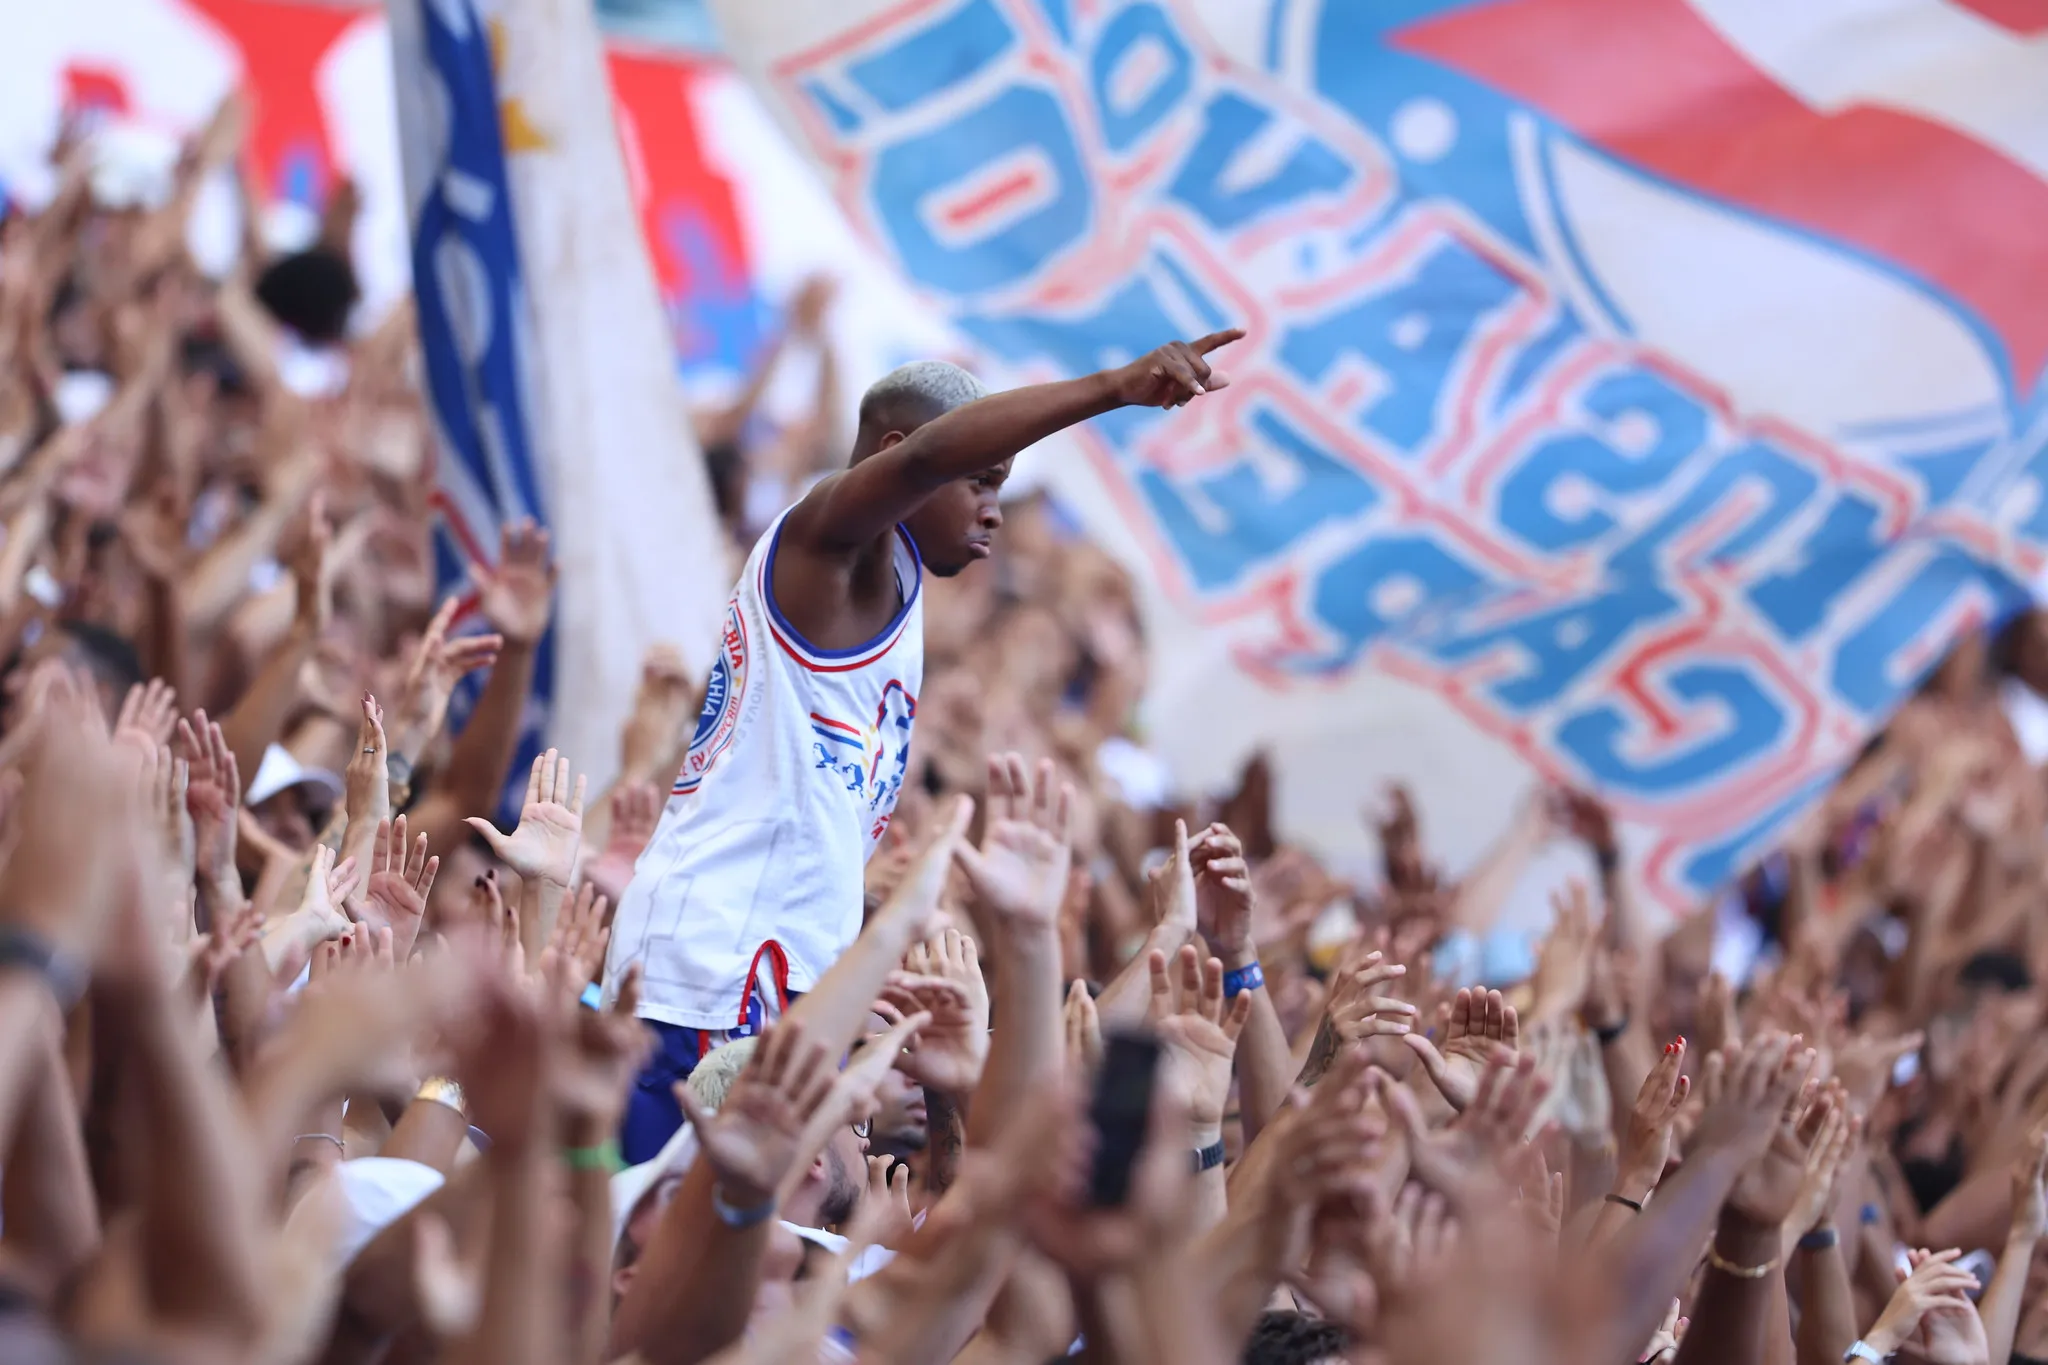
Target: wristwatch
[67,980]
[1863,1350]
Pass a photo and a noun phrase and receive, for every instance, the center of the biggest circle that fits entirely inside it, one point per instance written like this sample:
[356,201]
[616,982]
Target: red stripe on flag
[1018,182]
[2024,17]
[1650,82]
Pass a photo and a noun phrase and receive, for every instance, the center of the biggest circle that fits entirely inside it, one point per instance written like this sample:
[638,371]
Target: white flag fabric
[635,532]
[597,406]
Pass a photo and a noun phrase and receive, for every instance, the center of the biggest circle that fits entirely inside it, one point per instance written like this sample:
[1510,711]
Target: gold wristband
[1740,1272]
[441,1090]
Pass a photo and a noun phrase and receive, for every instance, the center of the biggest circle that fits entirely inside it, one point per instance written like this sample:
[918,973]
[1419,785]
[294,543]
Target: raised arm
[1019,874]
[849,510]
[2004,1297]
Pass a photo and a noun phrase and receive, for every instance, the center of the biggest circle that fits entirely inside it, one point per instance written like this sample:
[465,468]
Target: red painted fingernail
[1681,1040]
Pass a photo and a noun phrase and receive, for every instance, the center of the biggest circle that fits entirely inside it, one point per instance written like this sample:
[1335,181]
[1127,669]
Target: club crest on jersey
[869,758]
[723,692]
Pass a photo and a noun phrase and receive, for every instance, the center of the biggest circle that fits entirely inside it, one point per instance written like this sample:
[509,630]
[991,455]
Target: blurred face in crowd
[840,1169]
[292,817]
[899,1127]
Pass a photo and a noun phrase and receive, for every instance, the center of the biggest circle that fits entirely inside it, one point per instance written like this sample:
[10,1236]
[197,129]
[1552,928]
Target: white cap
[281,772]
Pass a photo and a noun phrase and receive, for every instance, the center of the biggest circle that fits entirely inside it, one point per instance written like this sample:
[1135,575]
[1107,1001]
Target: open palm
[401,879]
[1020,871]
[1481,1025]
[1197,1029]
[550,830]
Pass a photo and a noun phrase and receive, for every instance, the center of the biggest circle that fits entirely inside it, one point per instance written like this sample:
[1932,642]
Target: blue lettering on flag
[1444,452]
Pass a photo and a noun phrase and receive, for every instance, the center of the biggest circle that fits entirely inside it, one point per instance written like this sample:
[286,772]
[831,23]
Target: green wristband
[603,1157]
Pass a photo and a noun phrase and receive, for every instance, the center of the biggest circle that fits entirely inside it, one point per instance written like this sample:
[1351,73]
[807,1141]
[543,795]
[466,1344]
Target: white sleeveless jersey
[754,874]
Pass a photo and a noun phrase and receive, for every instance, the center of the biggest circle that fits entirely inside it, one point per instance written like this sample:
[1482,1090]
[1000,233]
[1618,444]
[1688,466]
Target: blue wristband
[1245,978]
[740,1218]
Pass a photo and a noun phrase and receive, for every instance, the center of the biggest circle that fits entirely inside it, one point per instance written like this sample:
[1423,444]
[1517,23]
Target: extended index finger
[1214,340]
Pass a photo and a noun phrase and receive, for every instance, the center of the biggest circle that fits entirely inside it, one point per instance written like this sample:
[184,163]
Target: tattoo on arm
[1320,1054]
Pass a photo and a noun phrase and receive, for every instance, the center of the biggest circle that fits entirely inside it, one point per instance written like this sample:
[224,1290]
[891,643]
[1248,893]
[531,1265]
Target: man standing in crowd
[752,884]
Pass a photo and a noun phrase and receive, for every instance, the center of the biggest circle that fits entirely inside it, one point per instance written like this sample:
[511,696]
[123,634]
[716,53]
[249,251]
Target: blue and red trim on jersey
[838,731]
[835,660]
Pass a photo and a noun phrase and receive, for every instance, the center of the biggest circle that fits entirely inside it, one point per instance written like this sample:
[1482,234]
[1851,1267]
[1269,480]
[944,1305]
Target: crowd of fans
[301,1059]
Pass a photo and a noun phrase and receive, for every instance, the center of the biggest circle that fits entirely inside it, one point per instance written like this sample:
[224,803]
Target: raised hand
[550,829]
[213,796]
[1477,1149]
[1646,1145]
[1749,1091]
[574,953]
[665,702]
[209,956]
[1935,1284]
[1223,890]
[1409,1243]
[517,593]
[1200,1034]
[1480,1022]
[1564,962]
[328,888]
[1589,821]
[1714,1015]
[366,784]
[1833,1136]
[166,781]
[1864,1065]
[752,1141]
[1020,871]
[1400,831]
[1356,1011]
[312,569]
[1173,374]
[952,1049]
[1768,1190]
[2030,1190]
[148,714]
[887,1200]
[599,1054]
[636,810]
[1171,885]
[437,664]
[401,878]
[1083,1029]
[1670,1332]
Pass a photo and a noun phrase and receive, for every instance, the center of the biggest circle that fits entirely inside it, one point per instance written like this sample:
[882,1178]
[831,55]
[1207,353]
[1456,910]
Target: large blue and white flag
[550,367]
[1637,393]
[471,300]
